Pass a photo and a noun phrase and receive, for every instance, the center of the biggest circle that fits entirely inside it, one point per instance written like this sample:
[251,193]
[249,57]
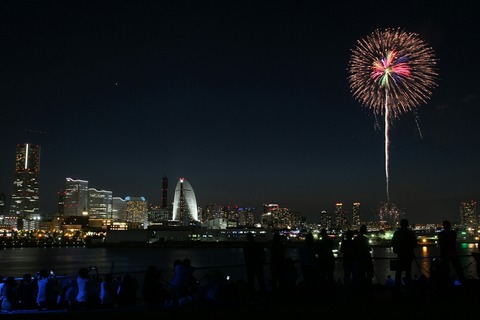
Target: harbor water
[66,261]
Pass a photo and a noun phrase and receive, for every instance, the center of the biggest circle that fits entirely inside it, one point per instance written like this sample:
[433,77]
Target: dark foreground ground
[338,302]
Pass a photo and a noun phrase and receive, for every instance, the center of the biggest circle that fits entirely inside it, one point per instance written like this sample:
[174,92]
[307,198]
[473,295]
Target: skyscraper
[356,215]
[3,204]
[185,207]
[100,203]
[468,214]
[76,197]
[164,191]
[26,185]
[136,211]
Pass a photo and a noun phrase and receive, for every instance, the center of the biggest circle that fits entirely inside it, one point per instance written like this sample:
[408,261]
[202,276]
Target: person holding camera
[47,290]
[88,293]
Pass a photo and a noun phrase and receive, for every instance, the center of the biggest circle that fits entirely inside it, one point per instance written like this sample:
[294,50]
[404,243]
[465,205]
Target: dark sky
[248,101]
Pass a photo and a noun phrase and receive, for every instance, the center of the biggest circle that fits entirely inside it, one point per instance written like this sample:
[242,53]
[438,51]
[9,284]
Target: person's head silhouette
[446,225]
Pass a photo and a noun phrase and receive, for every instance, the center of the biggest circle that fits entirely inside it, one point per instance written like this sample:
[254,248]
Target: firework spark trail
[387,143]
[392,72]
[418,126]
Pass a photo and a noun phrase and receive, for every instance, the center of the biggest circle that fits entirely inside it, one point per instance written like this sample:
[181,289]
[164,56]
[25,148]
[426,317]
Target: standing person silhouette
[254,255]
[364,272]
[108,291]
[349,252]
[308,252]
[278,254]
[404,242]
[447,241]
[326,259]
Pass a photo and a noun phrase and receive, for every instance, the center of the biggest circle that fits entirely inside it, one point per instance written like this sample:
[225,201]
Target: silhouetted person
[364,259]
[326,259]
[308,252]
[447,241]
[127,291]
[349,252]
[178,282]
[154,290]
[26,293]
[9,295]
[291,277]
[404,242]
[47,291]
[192,282]
[278,254]
[2,283]
[108,291]
[254,255]
[88,294]
[69,293]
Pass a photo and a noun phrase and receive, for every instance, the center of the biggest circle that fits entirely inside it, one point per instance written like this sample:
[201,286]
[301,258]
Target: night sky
[248,101]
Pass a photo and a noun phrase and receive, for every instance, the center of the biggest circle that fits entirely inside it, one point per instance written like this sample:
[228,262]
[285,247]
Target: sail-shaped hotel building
[185,208]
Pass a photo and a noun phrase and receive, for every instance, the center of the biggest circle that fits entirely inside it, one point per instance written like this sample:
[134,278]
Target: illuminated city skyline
[249,101]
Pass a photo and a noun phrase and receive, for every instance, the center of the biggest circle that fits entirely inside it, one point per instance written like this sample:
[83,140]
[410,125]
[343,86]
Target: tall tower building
[468,214]
[185,207]
[3,204]
[356,215]
[341,217]
[325,219]
[76,197]
[26,184]
[164,191]
[61,202]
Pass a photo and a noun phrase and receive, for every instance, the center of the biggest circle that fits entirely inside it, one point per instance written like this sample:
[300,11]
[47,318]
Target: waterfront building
[246,217]
[468,215]
[118,209]
[356,215]
[213,211]
[269,209]
[100,203]
[341,217]
[164,191]
[3,204]
[26,184]
[185,208]
[76,197]
[159,214]
[61,203]
[136,211]
[325,219]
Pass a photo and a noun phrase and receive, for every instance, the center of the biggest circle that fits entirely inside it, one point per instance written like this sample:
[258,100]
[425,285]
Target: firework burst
[392,72]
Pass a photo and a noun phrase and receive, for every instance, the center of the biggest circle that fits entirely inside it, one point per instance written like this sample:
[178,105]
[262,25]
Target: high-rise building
[100,203]
[76,197]
[164,191]
[26,185]
[185,208]
[136,211]
[118,211]
[3,204]
[468,214]
[61,202]
[246,217]
[356,215]
[325,219]
[267,215]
